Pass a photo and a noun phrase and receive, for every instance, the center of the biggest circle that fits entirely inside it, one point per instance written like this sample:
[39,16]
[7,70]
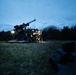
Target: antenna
[34,25]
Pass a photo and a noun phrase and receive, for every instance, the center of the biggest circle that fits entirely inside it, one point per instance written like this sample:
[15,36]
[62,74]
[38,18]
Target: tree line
[53,33]
[48,33]
[5,36]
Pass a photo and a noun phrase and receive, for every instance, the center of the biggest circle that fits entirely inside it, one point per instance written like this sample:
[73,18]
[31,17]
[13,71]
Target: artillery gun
[22,34]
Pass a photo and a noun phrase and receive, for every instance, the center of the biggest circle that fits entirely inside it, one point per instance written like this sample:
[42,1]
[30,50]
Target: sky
[46,12]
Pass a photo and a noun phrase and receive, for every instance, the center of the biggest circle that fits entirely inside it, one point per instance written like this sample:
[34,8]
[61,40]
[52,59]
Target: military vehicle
[21,33]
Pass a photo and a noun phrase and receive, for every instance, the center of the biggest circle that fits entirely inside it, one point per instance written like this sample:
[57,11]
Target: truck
[21,33]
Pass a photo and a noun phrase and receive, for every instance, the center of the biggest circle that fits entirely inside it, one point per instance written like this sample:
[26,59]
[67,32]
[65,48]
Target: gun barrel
[31,21]
[23,25]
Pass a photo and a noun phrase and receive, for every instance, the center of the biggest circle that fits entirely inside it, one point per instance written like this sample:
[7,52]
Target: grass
[26,58]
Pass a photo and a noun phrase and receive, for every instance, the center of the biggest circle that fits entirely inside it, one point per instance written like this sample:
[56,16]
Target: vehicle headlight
[12,32]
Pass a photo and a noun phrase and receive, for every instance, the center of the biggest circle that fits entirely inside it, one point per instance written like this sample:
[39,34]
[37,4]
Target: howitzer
[24,25]
[23,34]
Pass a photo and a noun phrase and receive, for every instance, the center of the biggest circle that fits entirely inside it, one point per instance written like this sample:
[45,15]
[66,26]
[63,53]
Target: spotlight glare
[12,31]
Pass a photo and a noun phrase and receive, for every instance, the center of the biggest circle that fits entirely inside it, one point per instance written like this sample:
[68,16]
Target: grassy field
[26,58]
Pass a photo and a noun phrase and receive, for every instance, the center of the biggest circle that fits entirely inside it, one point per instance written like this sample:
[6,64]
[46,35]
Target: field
[26,58]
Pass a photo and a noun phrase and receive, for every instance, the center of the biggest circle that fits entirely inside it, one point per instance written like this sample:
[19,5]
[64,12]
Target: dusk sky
[46,12]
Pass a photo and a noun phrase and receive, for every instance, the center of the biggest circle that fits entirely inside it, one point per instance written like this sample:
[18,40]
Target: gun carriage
[23,34]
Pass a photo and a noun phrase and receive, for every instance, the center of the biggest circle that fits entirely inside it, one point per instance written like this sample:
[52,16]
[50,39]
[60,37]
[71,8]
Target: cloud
[6,27]
[71,18]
